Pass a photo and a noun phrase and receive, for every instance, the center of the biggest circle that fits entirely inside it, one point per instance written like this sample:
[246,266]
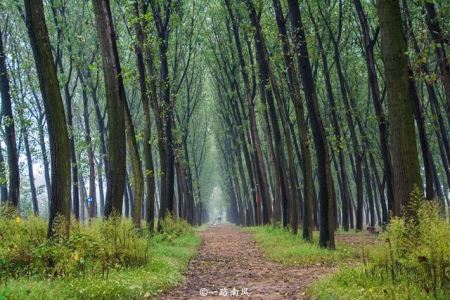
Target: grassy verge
[281,246]
[414,263]
[167,261]
[363,283]
[103,260]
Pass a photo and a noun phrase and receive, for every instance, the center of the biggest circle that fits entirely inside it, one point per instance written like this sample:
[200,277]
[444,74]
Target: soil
[231,266]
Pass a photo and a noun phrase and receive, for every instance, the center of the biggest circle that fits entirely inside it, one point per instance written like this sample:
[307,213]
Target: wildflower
[76,256]
[18,220]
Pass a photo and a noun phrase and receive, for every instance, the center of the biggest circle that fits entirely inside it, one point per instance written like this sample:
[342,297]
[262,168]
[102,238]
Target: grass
[361,283]
[139,266]
[164,270]
[414,263]
[280,245]
[167,261]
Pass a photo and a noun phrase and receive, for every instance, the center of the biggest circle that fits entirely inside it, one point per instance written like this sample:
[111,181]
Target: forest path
[230,263]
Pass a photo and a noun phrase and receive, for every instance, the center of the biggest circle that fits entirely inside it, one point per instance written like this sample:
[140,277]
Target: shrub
[174,227]
[95,248]
[414,263]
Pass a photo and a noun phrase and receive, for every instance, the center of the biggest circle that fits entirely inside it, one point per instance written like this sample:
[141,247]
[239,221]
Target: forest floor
[230,265]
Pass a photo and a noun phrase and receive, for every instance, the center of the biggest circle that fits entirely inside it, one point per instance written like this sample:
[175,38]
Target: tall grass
[413,263]
[105,259]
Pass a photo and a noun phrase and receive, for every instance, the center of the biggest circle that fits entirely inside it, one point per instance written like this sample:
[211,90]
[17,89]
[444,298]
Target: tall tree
[54,110]
[294,89]
[115,107]
[369,44]
[148,157]
[326,193]
[10,131]
[405,161]
[161,18]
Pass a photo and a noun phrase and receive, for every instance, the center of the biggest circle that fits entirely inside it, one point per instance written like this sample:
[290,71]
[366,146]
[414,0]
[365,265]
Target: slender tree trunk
[100,186]
[424,145]
[326,193]
[261,176]
[73,154]
[437,36]
[45,161]
[3,188]
[345,193]
[115,106]
[54,110]
[10,132]
[92,195]
[294,90]
[136,166]
[369,43]
[33,191]
[148,157]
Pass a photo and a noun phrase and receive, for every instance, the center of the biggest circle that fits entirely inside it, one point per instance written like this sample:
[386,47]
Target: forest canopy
[306,114]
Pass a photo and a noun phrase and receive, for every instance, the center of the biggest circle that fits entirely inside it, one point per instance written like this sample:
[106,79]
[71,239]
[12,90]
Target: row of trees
[311,113]
[81,105]
[322,105]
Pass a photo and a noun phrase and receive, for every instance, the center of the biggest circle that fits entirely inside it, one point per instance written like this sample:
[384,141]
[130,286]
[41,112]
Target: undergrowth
[106,259]
[413,263]
[280,245]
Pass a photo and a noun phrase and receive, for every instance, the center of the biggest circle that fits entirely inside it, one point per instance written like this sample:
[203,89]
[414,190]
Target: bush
[96,248]
[173,227]
[166,262]
[414,263]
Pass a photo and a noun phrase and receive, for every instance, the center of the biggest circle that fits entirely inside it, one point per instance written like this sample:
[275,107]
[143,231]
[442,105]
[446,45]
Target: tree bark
[10,132]
[115,107]
[326,193]
[436,35]
[294,90]
[148,156]
[92,195]
[369,43]
[405,162]
[54,110]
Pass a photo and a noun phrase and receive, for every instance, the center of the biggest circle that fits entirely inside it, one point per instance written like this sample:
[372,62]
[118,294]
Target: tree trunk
[437,37]
[10,132]
[45,161]
[344,184]
[369,44]
[54,110]
[405,162]
[326,193]
[136,166]
[115,106]
[3,188]
[294,90]
[148,157]
[34,200]
[261,175]
[92,195]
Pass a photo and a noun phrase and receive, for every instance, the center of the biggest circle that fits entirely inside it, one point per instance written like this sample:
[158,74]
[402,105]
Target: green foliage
[173,228]
[95,248]
[103,260]
[280,245]
[414,263]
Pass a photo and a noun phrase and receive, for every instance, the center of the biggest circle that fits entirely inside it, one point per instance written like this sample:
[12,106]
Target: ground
[230,263]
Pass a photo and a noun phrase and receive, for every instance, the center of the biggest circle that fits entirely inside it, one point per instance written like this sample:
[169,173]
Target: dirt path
[230,266]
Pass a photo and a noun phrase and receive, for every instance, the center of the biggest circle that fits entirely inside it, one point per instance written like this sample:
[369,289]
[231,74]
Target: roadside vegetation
[410,260]
[279,245]
[412,263]
[105,259]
